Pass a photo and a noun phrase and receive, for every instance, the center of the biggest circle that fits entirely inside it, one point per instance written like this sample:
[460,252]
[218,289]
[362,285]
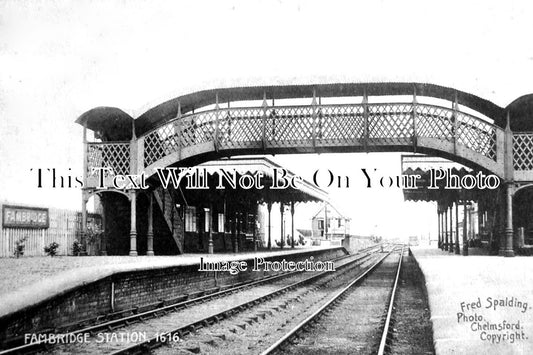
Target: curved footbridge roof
[194,101]
[97,119]
[188,130]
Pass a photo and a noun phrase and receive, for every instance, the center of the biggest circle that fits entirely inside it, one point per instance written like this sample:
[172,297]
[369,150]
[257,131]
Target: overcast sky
[59,59]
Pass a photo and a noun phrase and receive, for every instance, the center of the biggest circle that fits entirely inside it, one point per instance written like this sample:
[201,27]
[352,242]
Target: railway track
[241,328]
[366,304]
[122,326]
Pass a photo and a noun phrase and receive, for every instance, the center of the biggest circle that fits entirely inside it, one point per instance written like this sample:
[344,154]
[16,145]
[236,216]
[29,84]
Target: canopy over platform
[305,191]
[423,166]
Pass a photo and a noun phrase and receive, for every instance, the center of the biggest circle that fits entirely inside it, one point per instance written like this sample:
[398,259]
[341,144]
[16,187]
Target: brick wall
[126,290]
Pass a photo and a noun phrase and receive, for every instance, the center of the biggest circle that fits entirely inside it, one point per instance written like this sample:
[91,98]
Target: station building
[215,216]
[329,223]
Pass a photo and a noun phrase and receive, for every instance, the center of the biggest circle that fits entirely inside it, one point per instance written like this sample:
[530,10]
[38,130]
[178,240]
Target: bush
[77,247]
[19,247]
[92,236]
[51,249]
[289,241]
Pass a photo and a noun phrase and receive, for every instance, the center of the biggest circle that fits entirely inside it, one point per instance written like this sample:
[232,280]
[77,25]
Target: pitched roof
[321,211]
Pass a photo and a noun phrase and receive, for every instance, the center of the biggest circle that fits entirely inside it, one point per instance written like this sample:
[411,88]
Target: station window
[207,219]
[250,224]
[320,224]
[190,219]
[220,223]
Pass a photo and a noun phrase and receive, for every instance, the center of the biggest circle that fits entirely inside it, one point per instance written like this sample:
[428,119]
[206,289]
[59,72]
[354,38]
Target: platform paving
[29,280]
[462,293]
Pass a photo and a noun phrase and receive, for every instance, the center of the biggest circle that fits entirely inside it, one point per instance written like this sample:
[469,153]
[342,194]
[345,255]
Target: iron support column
[254,231]
[441,224]
[103,246]
[450,245]
[84,198]
[83,240]
[237,232]
[281,211]
[465,229]
[210,245]
[226,221]
[133,228]
[441,235]
[508,251]
[150,234]
[509,177]
[501,222]
[326,221]
[457,250]
[232,230]
[438,229]
[292,224]
[445,229]
[442,230]
[269,207]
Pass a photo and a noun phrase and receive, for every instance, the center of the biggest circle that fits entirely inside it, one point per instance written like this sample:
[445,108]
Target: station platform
[479,304]
[29,280]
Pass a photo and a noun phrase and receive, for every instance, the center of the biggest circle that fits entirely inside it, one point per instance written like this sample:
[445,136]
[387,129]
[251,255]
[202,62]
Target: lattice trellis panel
[108,155]
[523,151]
[434,122]
[338,123]
[161,142]
[390,121]
[199,128]
[289,124]
[476,134]
[240,125]
[184,132]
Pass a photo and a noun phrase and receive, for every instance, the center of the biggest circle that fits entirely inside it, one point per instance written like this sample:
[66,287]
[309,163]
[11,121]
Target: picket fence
[64,229]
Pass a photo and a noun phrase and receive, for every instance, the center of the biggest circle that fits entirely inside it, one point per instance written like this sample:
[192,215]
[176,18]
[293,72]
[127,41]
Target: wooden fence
[64,229]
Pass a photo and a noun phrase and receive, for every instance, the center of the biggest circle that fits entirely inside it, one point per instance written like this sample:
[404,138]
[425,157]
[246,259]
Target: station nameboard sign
[25,217]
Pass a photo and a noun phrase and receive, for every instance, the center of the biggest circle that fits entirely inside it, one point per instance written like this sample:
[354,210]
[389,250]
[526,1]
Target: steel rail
[116,323]
[124,321]
[332,301]
[385,333]
[154,342]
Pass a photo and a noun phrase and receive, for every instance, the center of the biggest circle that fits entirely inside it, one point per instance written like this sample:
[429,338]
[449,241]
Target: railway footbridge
[363,117]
